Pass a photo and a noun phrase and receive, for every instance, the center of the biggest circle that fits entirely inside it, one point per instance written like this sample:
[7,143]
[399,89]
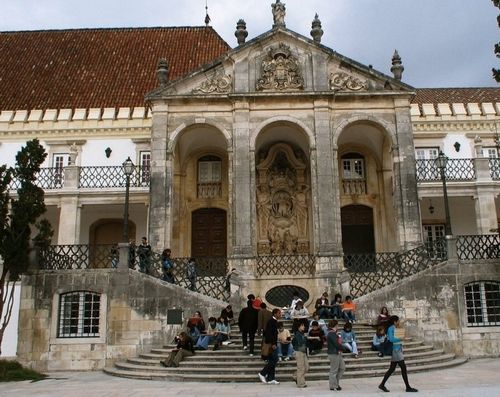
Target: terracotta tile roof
[457,95]
[83,68]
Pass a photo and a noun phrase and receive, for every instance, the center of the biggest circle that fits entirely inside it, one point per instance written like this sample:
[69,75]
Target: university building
[280,165]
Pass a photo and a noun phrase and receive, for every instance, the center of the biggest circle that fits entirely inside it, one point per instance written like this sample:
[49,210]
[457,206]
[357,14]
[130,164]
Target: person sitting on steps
[183,349]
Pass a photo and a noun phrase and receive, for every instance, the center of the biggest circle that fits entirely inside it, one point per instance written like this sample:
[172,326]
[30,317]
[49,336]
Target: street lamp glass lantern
[128,167]
[441,161]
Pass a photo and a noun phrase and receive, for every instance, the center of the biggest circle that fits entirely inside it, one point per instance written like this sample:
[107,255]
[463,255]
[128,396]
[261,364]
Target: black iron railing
[112,176]
[370,272]
[456,170]
[485,246]
[495,169]
[78,256]
[285,265]
[47,178]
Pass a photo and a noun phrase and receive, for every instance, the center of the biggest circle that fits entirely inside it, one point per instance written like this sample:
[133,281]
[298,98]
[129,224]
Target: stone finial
[241,31]
[162,72]
[478,146]
[279,12]
[316,31]
[73,153]
[397,67]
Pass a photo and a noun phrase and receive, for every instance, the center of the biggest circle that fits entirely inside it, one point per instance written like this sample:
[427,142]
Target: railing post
[71,174]
[451,247]
[123,252]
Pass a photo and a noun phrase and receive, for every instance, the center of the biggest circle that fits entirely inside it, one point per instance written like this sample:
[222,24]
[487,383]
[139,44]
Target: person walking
[144,254]
[299,343]
[167,266]
[397,356]
[268,373]
[191,274]
[337,365]
[247,321]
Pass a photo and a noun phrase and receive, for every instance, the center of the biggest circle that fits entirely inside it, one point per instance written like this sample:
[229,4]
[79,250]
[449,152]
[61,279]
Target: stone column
[242,193]
[486,213]
[69,221]
[405,180]
[161,180]
[325,185]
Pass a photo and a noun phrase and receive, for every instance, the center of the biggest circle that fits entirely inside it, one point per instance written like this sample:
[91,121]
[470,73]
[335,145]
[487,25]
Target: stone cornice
[458,125]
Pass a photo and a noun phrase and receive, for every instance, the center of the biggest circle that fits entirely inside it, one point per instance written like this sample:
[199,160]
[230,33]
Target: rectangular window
[209,171]
[145,166]
[79,315]
[434,241]
[426,153]
[353,168]
[490,152]
[482,300]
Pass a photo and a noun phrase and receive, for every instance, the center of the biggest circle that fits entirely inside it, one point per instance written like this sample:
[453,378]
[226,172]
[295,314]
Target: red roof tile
[457,95]
[83,68]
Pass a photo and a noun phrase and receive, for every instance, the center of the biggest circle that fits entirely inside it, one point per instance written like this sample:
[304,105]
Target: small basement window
[79,313]
[482,301]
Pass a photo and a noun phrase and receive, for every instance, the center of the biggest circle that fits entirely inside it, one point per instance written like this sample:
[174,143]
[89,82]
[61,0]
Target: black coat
[248,318]
[271,331]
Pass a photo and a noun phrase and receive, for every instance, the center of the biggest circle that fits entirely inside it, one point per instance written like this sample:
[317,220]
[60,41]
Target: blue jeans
[349,316]
[323,312]
[285,350]
[336,312]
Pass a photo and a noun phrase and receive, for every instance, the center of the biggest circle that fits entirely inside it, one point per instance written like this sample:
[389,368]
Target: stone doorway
[357,230]
[208,233]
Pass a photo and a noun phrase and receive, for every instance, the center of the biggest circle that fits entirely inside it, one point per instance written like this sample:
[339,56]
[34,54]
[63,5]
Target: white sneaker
[286,358]
[273,382]
[262,378]
[245,347]
[251,355]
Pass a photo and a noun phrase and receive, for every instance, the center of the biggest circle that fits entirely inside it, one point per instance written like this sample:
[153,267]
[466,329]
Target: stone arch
[177,133]
[287,119]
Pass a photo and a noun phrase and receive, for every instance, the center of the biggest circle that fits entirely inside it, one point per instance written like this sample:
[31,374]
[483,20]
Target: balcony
[456,170]
[87,178]
[353,186]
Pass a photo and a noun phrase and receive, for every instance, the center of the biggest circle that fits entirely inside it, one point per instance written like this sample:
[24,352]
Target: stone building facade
[280,156]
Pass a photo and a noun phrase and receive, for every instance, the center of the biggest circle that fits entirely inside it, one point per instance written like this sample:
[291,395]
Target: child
[349,309]
[285,349]
[349,339]
[378,341]
[299,343]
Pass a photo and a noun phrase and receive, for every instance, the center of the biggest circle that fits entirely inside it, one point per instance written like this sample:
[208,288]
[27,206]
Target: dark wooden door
[209,232]
[357,229]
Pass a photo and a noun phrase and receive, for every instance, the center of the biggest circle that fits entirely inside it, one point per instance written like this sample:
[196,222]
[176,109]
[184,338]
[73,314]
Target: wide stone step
[282,374]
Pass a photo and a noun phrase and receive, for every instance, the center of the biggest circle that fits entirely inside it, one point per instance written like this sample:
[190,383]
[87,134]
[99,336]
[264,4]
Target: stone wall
[133,319]
[431,305]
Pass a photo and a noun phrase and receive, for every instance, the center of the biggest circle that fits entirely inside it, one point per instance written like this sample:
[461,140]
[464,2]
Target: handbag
[266,349]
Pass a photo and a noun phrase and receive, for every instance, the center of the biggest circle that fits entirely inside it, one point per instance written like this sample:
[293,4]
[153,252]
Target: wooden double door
[209,233]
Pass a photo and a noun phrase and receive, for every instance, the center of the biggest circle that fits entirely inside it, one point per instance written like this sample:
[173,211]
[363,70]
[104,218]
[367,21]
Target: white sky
[443,43]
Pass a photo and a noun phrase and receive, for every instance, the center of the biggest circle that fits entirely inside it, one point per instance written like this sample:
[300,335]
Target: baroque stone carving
[343,81]
[279,12]
[217,84]
[280,70]
[282,203]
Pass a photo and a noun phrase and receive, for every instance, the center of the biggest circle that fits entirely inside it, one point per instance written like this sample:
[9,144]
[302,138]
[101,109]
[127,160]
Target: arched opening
[357,229]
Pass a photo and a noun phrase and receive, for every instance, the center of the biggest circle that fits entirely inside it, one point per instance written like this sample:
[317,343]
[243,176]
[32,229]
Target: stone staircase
[232,364]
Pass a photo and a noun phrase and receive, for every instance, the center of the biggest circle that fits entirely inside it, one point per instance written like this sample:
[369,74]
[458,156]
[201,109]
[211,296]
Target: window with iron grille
[209,176]
[79,315]
[482,301]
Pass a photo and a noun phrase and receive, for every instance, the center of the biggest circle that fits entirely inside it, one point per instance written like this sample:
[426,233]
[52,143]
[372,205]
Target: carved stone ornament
[220,84]
[342,81]
[280,70]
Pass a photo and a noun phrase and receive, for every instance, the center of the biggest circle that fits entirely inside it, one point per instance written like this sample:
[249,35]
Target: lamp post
[441,162]
[128,168]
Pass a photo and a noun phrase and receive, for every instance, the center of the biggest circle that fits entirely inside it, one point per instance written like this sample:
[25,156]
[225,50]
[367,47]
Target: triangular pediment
[281,61]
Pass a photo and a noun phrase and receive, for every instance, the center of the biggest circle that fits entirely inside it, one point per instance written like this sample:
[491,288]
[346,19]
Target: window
[482,300]
[79,315]
[426,167]
[145,167]
[426,153]
[434,241]
[353,174]
[59,161]
[490,152]
[209,177]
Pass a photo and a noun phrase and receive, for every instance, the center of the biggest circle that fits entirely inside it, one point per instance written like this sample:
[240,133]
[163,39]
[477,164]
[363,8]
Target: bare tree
[18,215]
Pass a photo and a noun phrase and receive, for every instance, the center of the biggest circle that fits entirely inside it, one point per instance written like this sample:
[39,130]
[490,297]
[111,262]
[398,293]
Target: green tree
[496,72]
[18,216]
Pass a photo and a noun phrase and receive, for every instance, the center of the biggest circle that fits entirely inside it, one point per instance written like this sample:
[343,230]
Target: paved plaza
[476,378]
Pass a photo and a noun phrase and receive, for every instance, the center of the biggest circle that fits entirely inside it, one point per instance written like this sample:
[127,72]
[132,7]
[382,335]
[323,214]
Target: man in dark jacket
[268,373]
[337,365]
[247,321]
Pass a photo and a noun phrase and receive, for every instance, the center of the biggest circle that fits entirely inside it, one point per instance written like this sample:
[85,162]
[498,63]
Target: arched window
[353,174]
[482,301]
[79,313]
[209,177]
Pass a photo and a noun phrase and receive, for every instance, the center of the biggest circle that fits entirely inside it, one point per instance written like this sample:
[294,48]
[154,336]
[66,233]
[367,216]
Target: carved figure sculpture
[279,12]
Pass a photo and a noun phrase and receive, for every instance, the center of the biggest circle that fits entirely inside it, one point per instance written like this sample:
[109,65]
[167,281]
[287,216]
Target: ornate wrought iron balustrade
[495,169]
[80,256]
[486,246]
[456,170]
[112,176]
[370,272]
[286,265]
[47,178]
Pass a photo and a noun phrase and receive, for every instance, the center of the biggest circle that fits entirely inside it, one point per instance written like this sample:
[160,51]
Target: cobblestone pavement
[476,378]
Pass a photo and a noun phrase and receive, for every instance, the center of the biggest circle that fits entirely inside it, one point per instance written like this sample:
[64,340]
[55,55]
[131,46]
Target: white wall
[8,152]
[93,152]
[466,146]
[9,343]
